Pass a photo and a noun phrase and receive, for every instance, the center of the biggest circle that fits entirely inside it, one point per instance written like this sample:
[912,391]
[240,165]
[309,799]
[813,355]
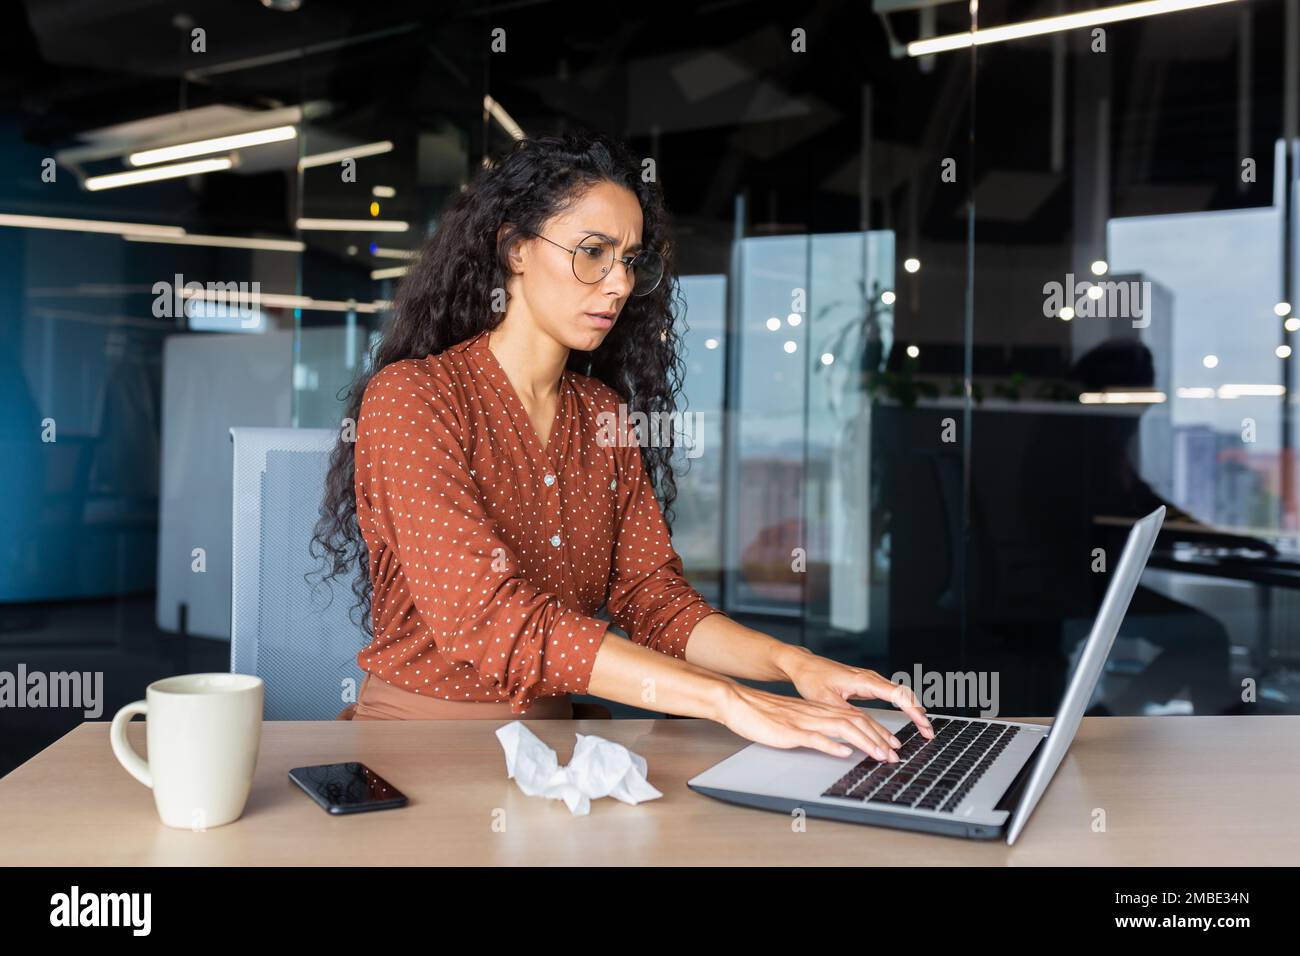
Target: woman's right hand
[787,722]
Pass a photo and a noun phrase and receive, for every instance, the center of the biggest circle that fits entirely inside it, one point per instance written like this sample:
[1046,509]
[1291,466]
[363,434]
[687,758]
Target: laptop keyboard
[930,774]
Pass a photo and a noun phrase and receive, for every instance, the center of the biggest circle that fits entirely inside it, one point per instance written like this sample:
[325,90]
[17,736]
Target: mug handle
[122,748]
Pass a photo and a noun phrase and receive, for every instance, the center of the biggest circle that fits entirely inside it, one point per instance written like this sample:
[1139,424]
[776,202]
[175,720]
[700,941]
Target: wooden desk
[1176,790]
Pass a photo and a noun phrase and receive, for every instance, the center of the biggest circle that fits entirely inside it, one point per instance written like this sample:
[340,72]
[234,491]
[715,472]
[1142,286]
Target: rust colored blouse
[489,553]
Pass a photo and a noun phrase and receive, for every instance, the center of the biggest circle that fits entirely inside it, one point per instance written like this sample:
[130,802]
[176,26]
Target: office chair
[287,626]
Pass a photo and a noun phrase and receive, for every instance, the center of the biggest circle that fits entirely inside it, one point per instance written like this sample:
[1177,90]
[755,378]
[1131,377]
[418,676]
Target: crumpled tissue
[599,768]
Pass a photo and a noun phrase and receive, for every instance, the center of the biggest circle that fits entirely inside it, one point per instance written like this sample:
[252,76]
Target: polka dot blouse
[490,553]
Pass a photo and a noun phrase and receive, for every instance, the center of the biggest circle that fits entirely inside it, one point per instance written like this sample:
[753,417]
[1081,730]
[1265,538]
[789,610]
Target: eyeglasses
[594,257]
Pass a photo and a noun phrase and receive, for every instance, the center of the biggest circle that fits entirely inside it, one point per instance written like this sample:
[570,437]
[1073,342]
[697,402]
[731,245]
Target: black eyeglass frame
[627,264]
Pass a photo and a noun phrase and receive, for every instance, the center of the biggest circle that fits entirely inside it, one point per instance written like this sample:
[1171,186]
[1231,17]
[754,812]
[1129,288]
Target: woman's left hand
[828,681]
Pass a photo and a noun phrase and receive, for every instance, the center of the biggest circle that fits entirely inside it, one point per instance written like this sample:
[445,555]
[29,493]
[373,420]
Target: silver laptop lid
[1087,671]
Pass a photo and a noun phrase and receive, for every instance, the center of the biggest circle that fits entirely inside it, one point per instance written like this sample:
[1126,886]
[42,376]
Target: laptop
[977,778]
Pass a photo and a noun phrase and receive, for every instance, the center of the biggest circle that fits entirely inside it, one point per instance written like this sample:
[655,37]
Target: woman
[498,502]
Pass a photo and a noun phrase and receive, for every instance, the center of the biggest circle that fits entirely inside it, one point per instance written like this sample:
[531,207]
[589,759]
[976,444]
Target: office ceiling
[713,86]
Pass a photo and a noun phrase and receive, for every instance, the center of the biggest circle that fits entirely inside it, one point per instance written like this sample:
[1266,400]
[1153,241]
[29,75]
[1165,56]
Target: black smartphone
[347,788]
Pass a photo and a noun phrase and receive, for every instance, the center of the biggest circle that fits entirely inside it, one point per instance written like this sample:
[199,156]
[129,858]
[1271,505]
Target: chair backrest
[288,626]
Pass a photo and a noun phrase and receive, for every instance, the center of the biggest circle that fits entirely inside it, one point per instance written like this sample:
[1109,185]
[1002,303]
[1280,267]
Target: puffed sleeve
[414,488]
[649,596]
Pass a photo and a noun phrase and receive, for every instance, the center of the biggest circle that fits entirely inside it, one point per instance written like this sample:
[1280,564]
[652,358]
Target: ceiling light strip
[1068,21]
[217,144]
[152,174]
[352,225]
[88,225]
[284,301]
[223,242]
[338,155]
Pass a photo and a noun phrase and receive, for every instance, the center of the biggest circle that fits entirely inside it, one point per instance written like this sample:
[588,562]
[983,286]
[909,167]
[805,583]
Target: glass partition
[1134,260]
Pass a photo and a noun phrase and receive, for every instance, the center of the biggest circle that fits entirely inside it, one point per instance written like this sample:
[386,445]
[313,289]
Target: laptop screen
[1078,692]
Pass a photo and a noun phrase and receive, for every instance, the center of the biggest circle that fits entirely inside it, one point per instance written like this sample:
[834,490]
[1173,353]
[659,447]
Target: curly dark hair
[446,297]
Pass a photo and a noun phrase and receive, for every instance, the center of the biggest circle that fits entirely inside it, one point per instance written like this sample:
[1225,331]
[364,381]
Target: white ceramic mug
[203,732]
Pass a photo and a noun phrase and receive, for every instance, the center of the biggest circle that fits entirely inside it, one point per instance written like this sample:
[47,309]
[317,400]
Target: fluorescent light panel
[353,225]
[338,155]
[223,242]
[133,177]
[1252,391]
[89,225]
[498,113]
[395,272]
[1137,397]
[1232,391]
[283,301]
[1068,21]
[217,144]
